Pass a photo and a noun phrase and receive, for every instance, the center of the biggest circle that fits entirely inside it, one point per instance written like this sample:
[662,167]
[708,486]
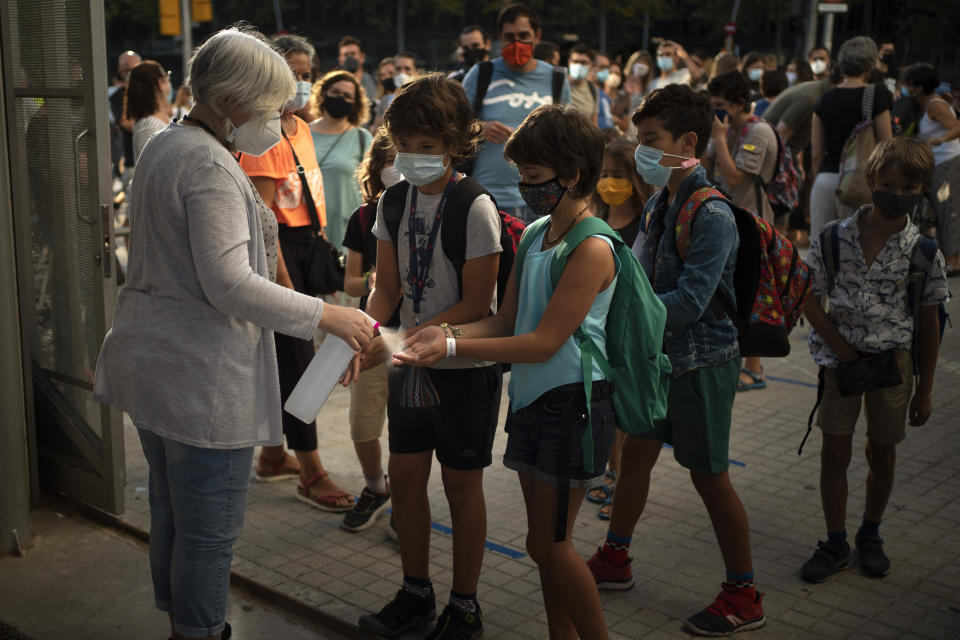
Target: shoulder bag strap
[307,196]
[484,75]
[866,105]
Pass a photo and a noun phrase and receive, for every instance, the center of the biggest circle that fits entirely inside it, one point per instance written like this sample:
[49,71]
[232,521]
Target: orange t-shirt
[288,203]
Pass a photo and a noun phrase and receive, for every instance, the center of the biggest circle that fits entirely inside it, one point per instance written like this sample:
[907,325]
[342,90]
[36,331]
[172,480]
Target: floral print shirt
[868,304]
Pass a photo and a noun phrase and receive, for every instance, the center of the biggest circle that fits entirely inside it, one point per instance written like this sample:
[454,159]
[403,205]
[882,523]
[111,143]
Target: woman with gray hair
[191,354]
[835,116]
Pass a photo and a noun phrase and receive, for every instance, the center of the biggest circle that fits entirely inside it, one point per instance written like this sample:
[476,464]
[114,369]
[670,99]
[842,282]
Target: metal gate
[55,75]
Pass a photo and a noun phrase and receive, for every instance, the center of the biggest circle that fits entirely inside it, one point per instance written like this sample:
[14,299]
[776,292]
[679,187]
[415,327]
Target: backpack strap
[484,75]
[453,230]
[921,260]
[830,251]
[684,224]
[360,143]
[559,77]
[866,104]
[394,200]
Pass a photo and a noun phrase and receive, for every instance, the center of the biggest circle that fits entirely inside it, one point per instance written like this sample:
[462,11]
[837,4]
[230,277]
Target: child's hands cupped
[423,348]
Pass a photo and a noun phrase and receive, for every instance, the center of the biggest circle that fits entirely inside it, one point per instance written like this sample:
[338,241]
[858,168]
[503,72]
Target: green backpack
[637,367]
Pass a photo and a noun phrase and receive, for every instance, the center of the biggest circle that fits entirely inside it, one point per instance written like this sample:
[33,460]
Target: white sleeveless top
[930,128]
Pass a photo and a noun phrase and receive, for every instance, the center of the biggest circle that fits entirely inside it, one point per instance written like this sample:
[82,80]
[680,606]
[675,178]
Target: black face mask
[473,56]
[337,106]
[388,84]
[351,64]
[893,205]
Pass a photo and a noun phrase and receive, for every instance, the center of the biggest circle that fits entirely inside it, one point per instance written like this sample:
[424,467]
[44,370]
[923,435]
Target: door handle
[76,172]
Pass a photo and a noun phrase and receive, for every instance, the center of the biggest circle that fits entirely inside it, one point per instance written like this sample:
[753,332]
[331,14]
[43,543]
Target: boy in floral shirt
[868,347]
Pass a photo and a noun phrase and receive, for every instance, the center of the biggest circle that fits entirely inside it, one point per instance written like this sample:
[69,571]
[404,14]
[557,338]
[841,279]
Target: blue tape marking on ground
[801,383]
[493,546]
[730,460]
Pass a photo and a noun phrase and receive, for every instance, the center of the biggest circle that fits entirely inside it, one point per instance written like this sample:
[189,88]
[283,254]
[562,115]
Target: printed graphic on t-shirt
[290,190]
[515,100]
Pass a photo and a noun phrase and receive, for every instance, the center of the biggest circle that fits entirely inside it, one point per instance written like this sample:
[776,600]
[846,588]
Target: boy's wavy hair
[913,157]
[434,106]
[561,138]
[368,173]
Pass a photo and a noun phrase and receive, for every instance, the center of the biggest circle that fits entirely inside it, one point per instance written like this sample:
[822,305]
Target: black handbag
[325,270]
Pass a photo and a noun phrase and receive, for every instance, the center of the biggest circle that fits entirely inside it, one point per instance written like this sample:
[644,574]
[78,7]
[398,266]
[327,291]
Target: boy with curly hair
[451,407]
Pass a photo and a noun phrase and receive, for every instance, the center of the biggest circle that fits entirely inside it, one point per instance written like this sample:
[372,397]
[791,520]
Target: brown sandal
[274,470]
[326,502]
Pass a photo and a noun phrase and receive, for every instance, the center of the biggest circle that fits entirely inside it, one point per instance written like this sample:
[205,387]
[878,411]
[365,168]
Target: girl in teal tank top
[559,154]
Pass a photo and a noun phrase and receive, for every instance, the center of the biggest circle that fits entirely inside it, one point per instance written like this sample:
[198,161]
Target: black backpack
[453,229]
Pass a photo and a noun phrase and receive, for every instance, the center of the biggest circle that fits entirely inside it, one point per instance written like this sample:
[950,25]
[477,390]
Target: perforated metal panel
[54,52]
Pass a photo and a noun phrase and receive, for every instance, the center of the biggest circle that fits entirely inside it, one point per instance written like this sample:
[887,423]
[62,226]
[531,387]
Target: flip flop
[758,381]
[606,487]
[326,502]
[605,515]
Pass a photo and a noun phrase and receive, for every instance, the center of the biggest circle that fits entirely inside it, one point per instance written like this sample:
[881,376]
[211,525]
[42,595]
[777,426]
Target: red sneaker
[733,610]
[609,576]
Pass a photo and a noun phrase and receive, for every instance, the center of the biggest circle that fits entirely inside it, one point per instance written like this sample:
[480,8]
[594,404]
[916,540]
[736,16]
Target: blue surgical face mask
[420,168]
[722,114]
[602,75]
[665,63]
[791,78]
[904,92]
[755,74]
[301,97]
[577,71]
[650,169]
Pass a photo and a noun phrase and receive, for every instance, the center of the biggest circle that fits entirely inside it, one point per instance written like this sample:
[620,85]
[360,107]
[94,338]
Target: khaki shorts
[368,404]
[885,409]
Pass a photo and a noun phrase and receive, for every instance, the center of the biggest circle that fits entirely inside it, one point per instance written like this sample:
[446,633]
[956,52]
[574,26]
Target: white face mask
[640,70]
[390,176]
[818,67]
[255,138]
[301,97]
[791,78]
[400,79]
[420,168]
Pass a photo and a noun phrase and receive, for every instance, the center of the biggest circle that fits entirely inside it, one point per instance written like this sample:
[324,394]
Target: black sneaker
[873,560]
[827,560]
[457,624]
[401,614]
[366,511]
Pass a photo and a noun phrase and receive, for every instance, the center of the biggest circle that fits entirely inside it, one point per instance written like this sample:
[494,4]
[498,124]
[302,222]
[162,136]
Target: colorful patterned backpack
[782,190]
[771,282]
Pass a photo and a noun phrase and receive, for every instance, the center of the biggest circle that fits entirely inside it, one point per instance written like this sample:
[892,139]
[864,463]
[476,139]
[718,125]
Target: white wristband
[451,347]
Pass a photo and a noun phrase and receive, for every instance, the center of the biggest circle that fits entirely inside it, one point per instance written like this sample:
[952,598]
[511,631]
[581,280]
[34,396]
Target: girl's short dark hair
[681,109]
[140,97]
[561,138]
[734,87]
[923,75]
[360,103]
[435,106]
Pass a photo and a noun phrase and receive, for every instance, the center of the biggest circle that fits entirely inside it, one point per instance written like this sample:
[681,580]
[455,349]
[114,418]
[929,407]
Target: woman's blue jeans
[197,500]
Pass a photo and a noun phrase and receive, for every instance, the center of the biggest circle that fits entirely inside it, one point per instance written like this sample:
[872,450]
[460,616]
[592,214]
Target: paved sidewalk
[303,553]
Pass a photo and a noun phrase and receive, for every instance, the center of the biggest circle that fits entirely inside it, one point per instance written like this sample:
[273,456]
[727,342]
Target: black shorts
[461,428]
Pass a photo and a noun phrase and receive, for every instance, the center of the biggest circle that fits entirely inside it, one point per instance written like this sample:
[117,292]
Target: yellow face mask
[614,191]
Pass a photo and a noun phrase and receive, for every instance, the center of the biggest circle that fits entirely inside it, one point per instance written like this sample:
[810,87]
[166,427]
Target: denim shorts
[534,435]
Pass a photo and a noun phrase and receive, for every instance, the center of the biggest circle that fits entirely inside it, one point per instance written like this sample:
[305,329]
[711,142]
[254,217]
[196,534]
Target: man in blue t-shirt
[519,85]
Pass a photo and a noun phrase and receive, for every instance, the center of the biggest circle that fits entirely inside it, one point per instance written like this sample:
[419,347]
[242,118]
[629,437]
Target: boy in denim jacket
[870,317]
[673,127]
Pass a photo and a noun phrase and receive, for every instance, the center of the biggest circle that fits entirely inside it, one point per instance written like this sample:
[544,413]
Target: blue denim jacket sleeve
[714,239]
